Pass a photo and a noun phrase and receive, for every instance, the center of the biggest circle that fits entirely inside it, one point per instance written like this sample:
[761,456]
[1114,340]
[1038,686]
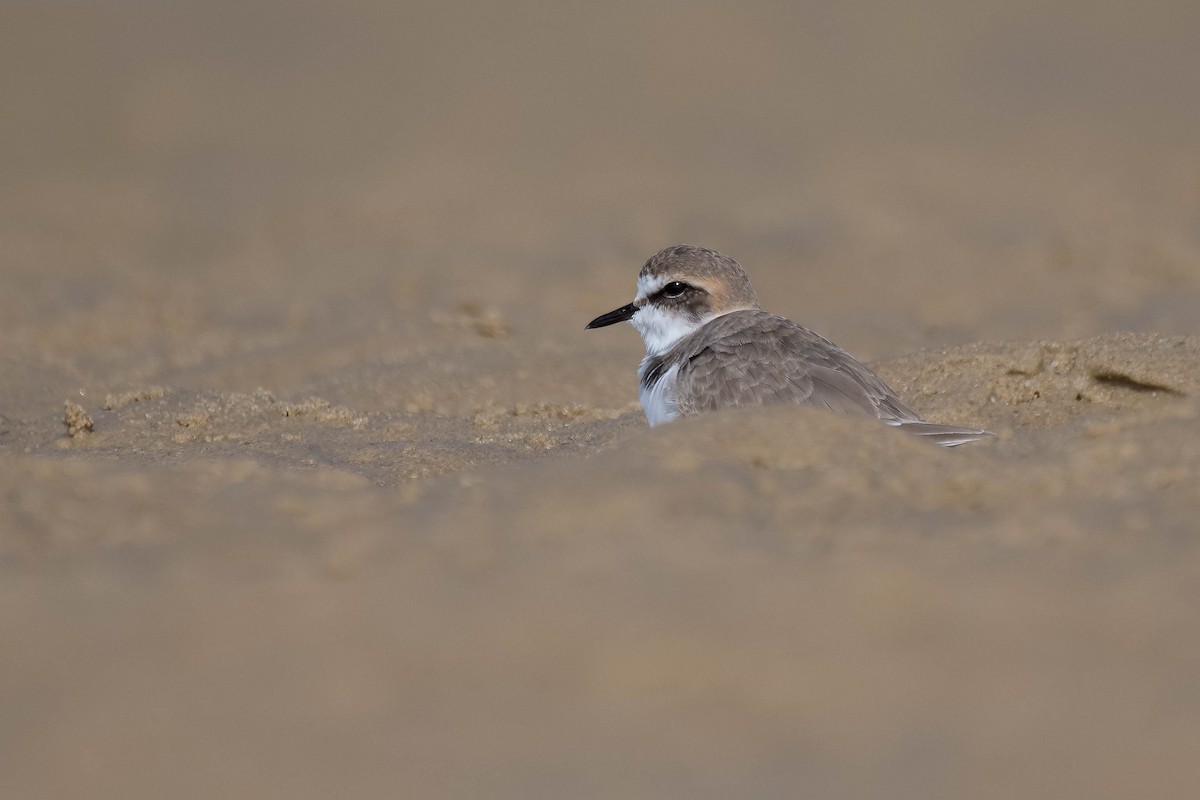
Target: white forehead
[649,284]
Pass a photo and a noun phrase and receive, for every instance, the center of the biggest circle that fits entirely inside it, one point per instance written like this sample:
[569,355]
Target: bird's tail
[945,435]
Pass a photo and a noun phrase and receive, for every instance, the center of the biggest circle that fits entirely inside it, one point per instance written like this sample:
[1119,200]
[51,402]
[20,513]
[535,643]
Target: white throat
[661,330]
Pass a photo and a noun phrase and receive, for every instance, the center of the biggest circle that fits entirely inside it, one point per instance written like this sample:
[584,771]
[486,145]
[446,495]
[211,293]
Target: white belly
[658,401]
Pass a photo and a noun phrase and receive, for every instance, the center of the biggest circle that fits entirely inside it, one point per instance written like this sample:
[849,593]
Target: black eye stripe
[673,290]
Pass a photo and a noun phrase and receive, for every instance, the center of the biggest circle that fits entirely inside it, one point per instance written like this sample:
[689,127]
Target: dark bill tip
[622,314]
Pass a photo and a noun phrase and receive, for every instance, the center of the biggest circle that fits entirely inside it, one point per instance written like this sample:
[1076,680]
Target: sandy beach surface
[312,484]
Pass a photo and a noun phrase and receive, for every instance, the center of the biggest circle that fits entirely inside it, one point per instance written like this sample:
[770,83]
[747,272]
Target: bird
[711,346]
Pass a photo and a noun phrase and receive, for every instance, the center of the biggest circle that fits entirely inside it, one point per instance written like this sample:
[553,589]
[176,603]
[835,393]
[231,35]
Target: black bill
[622,314]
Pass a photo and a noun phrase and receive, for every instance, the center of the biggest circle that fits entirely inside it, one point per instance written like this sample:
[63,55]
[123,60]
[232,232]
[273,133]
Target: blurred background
[896,176]
[366,513]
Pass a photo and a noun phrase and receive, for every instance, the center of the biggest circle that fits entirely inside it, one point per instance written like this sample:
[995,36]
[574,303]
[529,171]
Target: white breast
[658,400]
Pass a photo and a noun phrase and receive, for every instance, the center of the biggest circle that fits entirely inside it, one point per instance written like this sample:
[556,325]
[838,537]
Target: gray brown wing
[752,358]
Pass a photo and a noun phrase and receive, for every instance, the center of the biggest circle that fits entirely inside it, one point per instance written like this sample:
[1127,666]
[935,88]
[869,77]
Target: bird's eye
[674,289]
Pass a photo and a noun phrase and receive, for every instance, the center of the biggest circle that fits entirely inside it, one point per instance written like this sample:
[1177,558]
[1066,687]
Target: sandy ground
[312,484]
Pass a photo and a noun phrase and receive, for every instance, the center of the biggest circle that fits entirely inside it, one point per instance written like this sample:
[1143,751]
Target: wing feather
[752,358]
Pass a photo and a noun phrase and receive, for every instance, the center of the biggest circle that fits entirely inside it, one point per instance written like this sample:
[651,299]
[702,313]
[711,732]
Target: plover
[710,345]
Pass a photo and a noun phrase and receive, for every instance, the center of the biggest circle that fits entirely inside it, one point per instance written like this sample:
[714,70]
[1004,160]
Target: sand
[313,485]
